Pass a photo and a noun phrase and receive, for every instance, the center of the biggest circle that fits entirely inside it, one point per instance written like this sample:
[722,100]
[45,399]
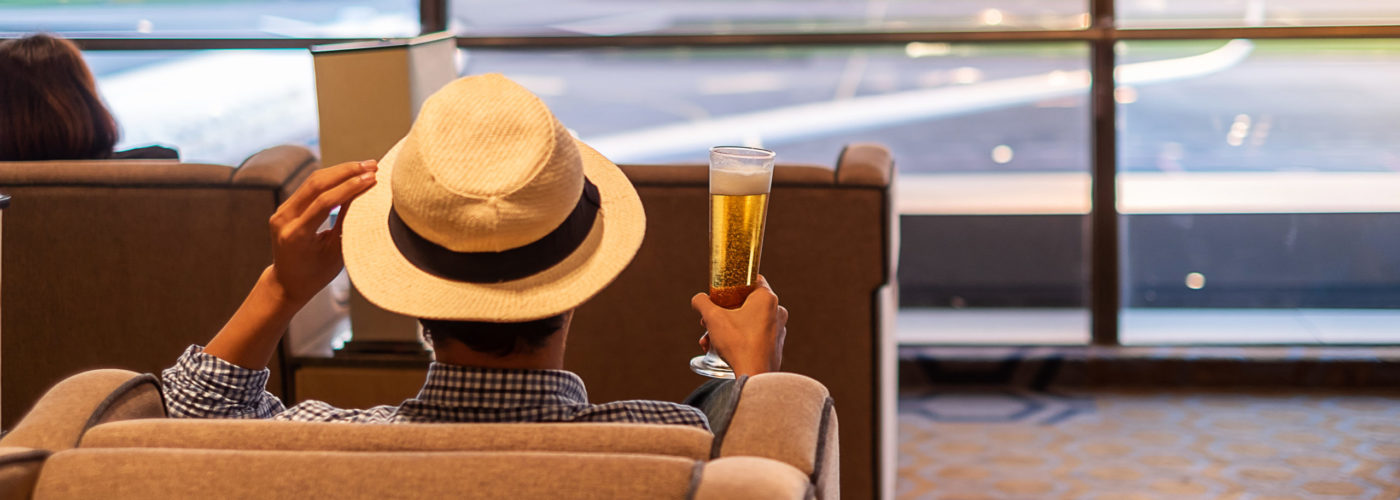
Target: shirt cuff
[201,384]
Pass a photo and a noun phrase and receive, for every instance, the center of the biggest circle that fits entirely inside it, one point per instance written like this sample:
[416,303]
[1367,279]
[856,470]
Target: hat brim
[387,279]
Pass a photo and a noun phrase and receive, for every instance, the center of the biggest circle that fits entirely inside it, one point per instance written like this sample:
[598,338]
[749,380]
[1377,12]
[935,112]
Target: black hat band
[506,265]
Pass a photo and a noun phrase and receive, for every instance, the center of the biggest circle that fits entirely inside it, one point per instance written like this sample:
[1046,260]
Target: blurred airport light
[916,50]
[1002,154]
[990,17]
[1195,281]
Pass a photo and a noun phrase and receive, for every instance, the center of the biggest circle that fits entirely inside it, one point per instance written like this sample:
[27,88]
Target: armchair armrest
[739,478]
[285,166]
[865,164]
[789,418]
[59,419]
[19,470]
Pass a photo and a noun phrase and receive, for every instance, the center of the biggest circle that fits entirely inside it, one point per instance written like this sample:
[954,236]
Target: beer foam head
[739,170]
[737,182]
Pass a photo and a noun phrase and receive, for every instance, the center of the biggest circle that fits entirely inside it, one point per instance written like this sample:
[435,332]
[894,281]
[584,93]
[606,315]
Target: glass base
[711,365]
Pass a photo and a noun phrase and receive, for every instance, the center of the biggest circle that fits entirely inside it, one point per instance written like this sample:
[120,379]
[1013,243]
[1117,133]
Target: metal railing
[1091,34]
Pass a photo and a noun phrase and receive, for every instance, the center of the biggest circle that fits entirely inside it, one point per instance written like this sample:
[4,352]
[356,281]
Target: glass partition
[1259,196]
[619,17]
[991,142]
[1253,177]
[214,106]
[1216,13]
[942,108]
[211,18]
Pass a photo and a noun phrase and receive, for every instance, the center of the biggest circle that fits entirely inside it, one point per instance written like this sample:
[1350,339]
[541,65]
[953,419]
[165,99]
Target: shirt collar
[457,385]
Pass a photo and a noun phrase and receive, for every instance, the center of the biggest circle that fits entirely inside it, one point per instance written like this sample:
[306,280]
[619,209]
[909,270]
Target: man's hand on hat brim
[305,258]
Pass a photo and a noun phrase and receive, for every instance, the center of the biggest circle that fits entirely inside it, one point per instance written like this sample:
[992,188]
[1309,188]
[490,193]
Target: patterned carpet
[1014,444]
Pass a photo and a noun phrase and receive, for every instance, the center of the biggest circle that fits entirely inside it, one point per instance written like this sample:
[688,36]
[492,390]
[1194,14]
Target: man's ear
[423,334]
[568,320]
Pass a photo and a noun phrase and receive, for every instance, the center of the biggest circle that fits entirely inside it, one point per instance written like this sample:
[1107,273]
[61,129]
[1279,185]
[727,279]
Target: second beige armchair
[102,434]
[127,262]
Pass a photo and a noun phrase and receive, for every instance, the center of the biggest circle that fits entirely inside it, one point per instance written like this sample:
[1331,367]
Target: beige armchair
[830,249]
[102,434]
[127,262]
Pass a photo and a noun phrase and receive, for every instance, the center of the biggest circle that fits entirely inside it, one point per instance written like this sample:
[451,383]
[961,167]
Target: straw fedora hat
[490,210]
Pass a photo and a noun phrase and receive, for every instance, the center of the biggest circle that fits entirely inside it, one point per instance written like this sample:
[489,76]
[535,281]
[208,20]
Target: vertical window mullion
[1104,289]
[432,16]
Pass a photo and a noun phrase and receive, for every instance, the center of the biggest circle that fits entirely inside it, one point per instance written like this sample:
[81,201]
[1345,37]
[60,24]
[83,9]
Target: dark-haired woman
[49,106]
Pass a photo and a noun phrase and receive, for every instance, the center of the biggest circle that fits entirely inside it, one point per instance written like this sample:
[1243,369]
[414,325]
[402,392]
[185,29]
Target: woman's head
[49,107]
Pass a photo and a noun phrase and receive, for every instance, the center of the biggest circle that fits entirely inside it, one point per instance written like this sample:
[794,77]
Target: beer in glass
[740,179]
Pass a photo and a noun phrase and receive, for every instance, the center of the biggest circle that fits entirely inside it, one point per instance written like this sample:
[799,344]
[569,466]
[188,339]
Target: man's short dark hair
[497,339]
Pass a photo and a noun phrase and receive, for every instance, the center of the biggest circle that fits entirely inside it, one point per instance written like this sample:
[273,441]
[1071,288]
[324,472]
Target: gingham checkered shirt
[201,385]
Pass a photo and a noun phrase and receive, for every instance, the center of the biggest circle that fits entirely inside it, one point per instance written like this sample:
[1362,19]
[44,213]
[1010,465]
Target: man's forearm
[250,336]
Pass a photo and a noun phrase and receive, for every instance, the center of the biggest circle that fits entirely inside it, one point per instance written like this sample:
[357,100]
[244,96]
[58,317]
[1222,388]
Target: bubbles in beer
[736,242]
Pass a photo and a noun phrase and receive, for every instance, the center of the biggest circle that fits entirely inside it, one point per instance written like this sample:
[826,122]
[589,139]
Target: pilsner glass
[740,179]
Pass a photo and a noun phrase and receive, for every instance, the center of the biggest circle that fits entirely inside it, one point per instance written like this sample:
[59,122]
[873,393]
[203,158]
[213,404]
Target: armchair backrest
[647,439]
